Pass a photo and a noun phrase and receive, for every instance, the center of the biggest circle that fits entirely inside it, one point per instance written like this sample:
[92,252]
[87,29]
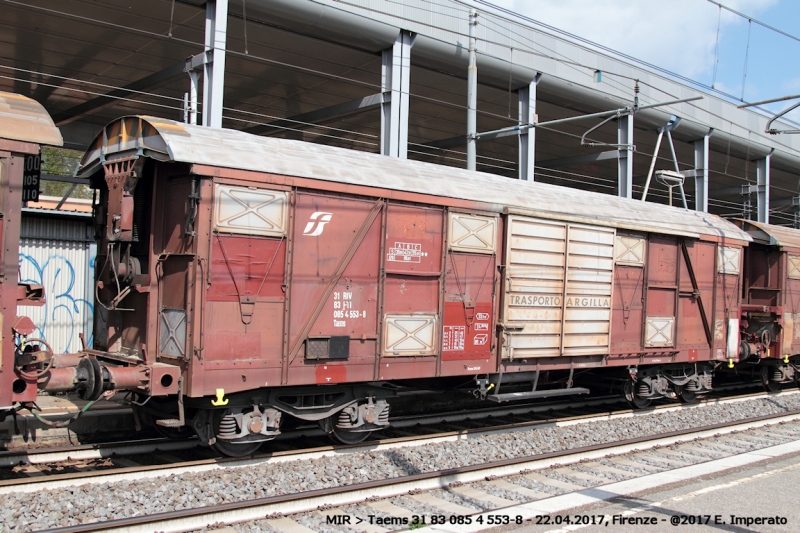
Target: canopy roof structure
[363,74]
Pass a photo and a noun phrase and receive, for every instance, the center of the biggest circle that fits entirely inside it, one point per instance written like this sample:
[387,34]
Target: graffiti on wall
[68,307]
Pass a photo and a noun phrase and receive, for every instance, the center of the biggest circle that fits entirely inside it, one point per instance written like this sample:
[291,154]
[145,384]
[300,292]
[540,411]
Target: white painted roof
[24,119]
[174,141]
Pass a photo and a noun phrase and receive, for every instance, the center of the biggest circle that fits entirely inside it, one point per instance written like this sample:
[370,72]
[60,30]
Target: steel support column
[625,156]
[762,195]
[527,137]
[701,172]
[395,84]
[472,94]
[214,72]
[191,100]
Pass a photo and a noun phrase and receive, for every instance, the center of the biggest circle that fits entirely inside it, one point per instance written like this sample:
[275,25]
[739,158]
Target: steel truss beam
[579,159]
[148,82]
[312,118]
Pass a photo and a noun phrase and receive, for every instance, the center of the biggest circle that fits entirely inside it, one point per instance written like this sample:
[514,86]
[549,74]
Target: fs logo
[317,223]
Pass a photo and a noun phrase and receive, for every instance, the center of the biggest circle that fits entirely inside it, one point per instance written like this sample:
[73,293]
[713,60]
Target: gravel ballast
[100,502]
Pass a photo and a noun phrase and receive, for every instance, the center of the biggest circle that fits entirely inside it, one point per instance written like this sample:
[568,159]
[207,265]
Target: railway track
[74,466]
[530,483]
[83,460]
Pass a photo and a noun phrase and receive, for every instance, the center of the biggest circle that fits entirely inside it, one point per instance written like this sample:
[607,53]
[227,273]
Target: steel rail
[10,458]
[115,449]
[70,480]
[259,508]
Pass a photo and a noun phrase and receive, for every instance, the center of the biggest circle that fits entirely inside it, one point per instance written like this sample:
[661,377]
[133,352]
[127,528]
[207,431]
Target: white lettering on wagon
[343,308]
[535,300]
[453,338]
[406,252]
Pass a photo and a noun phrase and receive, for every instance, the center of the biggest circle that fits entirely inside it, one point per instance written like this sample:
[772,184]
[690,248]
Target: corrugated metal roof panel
[771,234]
[238,150]
[56,229]
[24,119]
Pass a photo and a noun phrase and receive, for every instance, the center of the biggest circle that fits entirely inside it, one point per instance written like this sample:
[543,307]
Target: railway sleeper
[677,381]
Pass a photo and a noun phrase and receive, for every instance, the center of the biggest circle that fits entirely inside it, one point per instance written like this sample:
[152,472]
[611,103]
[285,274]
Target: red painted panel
[626,318]
[412,286]
[331,373]
[325,228]
[690,325]
[467,367]
[314,373]
[691,331]
[407,368]
[262,337]
[239,379]
[662,256]
[660,302]
[411,294]
[241,265]
[232,345]
[413,239]
[469,327]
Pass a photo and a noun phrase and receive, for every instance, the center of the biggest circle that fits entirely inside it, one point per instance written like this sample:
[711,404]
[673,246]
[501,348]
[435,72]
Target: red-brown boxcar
[770,345]
[247,278]
[24,127]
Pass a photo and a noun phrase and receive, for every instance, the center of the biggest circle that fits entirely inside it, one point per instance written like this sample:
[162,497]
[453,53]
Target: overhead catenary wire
[716,49]
[92,93]
[752,19]
[746,57]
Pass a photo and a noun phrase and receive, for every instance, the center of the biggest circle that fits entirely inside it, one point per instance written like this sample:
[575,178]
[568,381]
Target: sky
[681,35]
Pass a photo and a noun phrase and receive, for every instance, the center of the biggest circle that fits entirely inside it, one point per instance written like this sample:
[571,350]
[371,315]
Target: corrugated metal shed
[771,234]
[169,140]
[24,119]
[59,254]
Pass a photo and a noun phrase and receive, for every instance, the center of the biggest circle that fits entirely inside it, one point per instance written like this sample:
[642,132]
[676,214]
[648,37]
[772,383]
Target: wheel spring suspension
[644,389]
[228,427]
[692,386]
[777,375]
[344,419]
[383,417]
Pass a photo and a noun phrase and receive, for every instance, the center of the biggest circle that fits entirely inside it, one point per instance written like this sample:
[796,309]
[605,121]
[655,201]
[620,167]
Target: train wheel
[684,395]
[769,384]
[180,433]
[342,436]
[635,401]
[226,447]
[236,449]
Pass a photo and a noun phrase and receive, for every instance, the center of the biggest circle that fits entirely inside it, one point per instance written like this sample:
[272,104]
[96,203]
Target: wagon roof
[167,140]
[770,234]
[24,119]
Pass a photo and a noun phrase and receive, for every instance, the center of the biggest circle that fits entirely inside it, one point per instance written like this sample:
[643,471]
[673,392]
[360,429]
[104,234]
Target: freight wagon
[24,127]
[770,305]
[245,281]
